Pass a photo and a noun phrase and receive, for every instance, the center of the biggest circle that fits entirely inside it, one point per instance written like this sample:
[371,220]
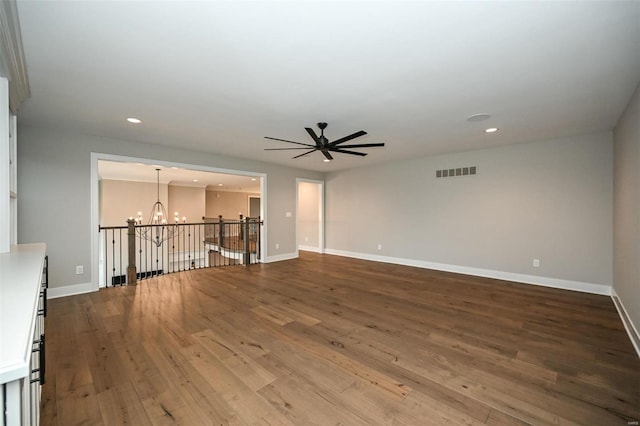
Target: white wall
[626,225]
[549,200]
[54,183]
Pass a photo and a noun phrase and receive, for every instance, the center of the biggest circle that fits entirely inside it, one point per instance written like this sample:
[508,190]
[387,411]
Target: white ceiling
[219,76]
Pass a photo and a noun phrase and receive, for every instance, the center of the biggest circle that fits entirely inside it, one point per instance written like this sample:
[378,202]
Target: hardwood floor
[335,341]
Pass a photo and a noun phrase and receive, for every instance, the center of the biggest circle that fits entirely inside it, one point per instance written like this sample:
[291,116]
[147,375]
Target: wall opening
[174,188]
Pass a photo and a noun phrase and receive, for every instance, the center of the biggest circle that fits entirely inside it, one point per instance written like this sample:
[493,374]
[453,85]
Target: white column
[13,179]
[5,173]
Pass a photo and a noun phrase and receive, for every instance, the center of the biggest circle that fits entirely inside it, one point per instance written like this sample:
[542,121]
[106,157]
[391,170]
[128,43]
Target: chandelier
[158,230]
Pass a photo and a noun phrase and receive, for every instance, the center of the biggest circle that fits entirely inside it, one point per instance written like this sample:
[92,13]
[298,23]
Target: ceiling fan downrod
[324,140]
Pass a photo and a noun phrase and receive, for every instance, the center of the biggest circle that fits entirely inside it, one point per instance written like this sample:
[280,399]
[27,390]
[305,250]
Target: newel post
[221,236]
[132,275]
[245,240]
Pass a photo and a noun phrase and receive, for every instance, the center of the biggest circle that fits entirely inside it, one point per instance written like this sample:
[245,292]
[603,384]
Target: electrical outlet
[277,246]
[379,246]
[79,270]
[287,214]
[306,239]
[536,263]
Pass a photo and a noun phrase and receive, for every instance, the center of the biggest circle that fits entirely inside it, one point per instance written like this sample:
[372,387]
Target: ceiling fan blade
[301,155]
[348,138]
[284,140]
[344,151]
[313,135]
[281,149]
[362,145]
[326,154]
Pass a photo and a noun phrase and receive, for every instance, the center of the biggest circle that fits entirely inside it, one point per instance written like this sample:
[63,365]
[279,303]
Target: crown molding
[12,63]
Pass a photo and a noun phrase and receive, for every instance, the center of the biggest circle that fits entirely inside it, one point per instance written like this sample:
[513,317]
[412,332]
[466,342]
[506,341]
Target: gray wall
[54,183]
[549,200]
[626,225]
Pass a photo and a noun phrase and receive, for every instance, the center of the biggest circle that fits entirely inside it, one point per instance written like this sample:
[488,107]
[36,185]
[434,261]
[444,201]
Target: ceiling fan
[323,145]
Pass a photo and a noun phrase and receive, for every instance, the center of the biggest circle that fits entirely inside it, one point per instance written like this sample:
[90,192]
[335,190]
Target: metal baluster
[173,246]
[140,251]
[188,248]
[157,253]
[259,241]
[113,255]
[120,260]
[144,254]
[161,248]
[150,254]
[106,283]
[217,256]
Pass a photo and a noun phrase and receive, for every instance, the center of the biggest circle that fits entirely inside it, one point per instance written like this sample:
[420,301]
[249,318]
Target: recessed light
[134,120]
[253,179]
[219,184]
[491,130]
[326,160]
[481,116]
[195,180]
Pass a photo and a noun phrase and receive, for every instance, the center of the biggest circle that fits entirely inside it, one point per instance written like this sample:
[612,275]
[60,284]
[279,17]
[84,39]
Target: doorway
[254,206]
[310,215]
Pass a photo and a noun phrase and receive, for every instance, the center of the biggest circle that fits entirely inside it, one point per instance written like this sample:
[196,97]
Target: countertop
[20,281]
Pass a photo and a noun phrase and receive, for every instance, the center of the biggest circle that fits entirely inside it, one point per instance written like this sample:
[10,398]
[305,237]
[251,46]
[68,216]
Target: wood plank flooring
[328,340]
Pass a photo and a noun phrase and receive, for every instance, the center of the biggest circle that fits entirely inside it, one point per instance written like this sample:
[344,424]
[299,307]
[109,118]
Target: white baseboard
[631,328]
[310,248]
[280,257]
[70,290]
[488,273]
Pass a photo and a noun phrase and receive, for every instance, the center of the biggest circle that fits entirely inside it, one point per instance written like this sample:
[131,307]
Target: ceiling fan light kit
[325,146]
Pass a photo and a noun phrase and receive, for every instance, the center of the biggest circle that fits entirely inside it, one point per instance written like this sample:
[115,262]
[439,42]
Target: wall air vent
[460,171]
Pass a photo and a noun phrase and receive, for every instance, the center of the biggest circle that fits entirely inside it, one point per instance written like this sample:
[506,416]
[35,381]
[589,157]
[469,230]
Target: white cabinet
[23,282]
